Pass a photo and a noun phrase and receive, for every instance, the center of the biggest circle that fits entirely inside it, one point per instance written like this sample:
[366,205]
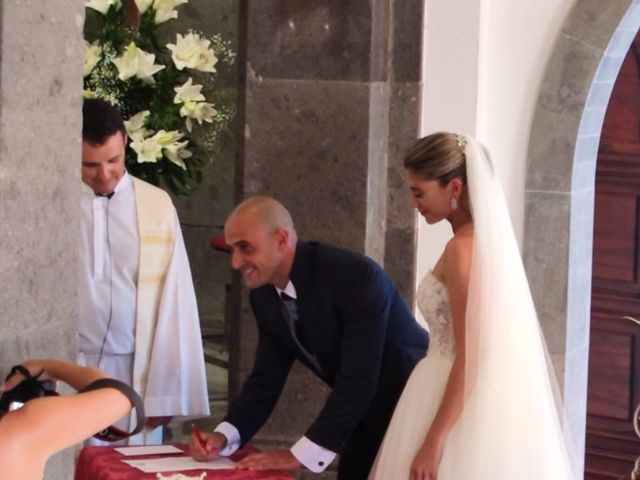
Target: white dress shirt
[108,270]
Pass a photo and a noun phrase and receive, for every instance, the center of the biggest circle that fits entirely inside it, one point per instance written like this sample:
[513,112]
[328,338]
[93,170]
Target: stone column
[331,102]
[202,214]
[40,136]
[404,72]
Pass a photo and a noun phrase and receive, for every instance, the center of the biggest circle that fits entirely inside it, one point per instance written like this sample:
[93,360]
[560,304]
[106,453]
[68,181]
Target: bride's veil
[512,422]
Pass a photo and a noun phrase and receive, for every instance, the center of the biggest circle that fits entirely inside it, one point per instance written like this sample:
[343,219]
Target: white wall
[517,41]
[482,67]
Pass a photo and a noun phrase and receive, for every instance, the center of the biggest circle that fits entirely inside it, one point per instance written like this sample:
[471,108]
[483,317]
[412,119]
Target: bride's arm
[456,268]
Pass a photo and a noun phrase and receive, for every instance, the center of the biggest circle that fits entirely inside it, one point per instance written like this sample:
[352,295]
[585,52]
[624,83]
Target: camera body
[26,390]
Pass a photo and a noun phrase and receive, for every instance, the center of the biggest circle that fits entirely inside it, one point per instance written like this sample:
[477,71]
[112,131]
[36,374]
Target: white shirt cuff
[233,438]
[312,455]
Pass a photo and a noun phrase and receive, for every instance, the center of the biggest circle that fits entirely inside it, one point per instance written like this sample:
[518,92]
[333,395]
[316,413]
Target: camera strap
[22,371]
[112,434]
[46,392]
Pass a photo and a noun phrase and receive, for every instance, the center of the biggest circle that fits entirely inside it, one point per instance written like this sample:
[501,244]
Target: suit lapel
[302,276]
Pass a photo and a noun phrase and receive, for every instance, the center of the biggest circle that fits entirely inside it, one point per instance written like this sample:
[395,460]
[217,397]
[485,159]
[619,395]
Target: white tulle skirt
[523,445]
[411,420]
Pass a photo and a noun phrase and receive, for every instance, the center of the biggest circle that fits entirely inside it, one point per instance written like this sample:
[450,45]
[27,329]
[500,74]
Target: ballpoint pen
[198,435]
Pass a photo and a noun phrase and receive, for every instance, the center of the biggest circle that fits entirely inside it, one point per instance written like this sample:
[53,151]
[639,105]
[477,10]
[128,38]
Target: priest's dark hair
[100,120]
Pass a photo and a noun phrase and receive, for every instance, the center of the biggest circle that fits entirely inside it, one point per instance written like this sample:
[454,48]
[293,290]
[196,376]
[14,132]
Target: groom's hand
[206,446]
[269,460]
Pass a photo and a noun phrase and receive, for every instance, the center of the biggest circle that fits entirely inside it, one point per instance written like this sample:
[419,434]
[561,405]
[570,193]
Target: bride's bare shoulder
[461,244]
[457,254]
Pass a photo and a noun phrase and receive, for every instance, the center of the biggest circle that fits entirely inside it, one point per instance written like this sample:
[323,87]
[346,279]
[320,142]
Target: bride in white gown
[483,403]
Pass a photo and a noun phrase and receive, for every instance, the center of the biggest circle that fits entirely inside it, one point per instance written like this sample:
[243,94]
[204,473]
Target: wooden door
[614,356]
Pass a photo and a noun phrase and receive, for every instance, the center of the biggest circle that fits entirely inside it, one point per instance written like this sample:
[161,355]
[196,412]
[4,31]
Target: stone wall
[40,135]
[202,214]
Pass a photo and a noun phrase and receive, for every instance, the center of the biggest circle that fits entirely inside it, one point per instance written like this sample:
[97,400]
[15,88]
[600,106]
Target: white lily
[176,153]
[136,62]
[204,112]
[102,6]
[143,5]
[148,150]
[200,111]
[127,63]
[188,92]
[146,66]
[192,51]
[165,138]
[92,53]
[135,126]
[166,9]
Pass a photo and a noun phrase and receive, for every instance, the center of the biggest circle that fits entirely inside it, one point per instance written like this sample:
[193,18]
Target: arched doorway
[614,348]
[560,185]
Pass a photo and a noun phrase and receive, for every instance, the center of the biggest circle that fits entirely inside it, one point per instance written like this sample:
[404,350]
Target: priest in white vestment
[138,312]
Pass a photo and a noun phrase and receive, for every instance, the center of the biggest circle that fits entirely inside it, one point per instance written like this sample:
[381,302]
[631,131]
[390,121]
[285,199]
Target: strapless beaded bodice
[433,302]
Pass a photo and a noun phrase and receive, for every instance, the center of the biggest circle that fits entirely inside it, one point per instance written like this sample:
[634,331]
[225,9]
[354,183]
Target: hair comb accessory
[462,141]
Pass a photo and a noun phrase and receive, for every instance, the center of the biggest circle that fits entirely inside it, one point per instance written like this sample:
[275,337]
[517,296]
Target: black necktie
[292,315]
[292,308]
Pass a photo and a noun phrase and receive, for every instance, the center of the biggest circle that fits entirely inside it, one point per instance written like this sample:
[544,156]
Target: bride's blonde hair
[439,156]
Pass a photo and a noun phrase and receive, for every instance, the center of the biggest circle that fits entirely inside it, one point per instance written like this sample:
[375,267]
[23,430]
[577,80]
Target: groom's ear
[282,238]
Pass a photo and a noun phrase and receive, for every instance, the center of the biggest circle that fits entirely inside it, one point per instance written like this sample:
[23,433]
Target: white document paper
[147,450]
[176,464]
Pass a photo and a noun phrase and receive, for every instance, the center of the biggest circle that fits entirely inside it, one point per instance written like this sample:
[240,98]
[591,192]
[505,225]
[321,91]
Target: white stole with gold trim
[156,227]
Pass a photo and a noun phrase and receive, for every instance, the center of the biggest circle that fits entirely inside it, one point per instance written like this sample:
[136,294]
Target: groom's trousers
[361,449]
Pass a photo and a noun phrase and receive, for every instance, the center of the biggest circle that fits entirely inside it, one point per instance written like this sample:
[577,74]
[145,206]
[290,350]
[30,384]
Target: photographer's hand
[74,375]
[36,368]
[13,381]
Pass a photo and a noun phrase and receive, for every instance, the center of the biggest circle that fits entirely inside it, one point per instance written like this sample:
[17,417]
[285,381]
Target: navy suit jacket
[353,320]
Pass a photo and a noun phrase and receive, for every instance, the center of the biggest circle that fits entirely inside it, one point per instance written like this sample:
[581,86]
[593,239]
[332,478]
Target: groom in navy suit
[339,314]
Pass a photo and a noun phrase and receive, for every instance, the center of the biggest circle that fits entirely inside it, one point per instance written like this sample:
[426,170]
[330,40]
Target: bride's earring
[454,203]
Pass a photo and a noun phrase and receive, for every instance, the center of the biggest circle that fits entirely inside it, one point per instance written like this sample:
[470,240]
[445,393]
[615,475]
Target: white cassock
[110,251]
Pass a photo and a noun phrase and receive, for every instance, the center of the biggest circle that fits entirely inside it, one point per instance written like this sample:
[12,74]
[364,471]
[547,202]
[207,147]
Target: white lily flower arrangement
[174,112]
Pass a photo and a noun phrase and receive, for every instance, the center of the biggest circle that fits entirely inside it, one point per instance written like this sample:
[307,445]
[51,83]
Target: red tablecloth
[104,463]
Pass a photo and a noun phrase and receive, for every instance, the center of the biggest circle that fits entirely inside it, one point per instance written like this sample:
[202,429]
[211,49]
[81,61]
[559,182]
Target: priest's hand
[206,446]
[153,422]
[269,460]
